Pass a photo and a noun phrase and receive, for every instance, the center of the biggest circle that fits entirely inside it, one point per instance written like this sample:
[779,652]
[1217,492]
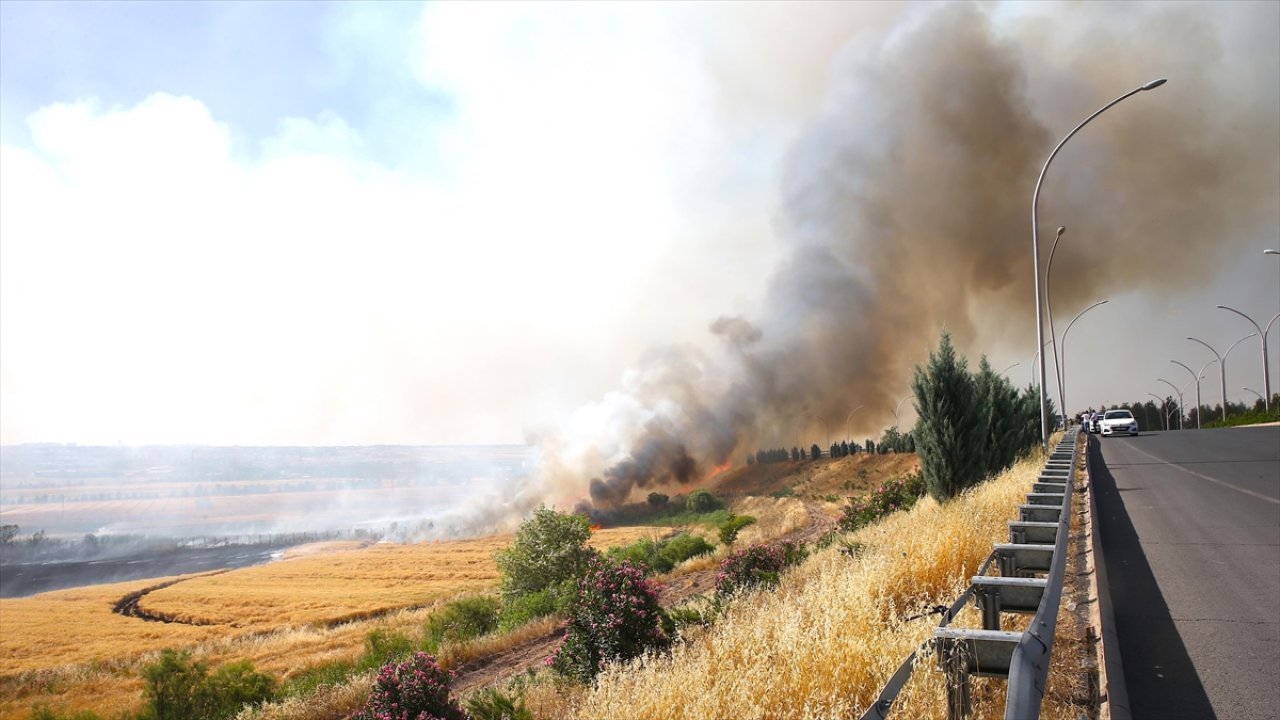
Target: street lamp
[1035,361]
[847,436]
[899,406]
[1062,377]
[1198,377]
[1181,405]
[1222,366]
[1002,372]
[1166,412]
[1035,245]
[1048,308]
[1271,252]
[1255,392]
[1266,367]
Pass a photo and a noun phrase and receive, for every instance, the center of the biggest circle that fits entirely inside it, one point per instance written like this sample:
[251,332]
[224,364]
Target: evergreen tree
[953,423]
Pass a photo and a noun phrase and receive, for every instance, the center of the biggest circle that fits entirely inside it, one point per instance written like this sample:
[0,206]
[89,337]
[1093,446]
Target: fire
[719,469]
[596,527]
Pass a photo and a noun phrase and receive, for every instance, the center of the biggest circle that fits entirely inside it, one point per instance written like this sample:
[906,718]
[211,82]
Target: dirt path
[496,669]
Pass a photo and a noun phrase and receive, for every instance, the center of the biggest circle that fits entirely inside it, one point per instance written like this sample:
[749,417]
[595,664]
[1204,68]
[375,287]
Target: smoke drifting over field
[904,210]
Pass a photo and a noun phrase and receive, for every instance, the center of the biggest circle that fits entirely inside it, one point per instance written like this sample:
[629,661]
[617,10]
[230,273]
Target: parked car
[1118,421]
[1092,423]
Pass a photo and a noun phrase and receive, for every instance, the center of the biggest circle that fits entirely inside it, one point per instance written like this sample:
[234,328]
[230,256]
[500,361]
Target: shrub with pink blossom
[894,495]
[756,565]
[416,689]
[614,617]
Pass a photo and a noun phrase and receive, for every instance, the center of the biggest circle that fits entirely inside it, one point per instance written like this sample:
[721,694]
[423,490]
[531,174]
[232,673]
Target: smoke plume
[905,210]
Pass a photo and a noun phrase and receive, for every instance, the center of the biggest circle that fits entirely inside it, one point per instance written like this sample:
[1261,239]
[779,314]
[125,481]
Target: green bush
[756,566]
[523,609]
[642,553]
[416,689]
[550,548]
[658,500]
[615,617]
[306,681]
[729,529]
[492,704]
[461,620]
[702,501]
[179,688]
[382,646]
[684,546]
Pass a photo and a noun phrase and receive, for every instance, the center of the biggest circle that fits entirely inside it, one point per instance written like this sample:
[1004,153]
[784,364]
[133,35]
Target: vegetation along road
[1190,530]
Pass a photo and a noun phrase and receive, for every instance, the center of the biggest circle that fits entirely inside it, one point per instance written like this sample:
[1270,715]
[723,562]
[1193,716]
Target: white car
[1118,421]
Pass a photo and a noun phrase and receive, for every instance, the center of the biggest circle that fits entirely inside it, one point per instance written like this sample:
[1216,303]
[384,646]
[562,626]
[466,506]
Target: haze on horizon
[348,224]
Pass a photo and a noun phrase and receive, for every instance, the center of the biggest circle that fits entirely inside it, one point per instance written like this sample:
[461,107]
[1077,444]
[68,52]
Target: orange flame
[719,469]
[596,527]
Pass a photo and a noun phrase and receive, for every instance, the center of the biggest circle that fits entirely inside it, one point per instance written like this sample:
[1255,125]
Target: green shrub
[684,546]
[756,566]
[642,553]
[382,646]
[550,548]
[416,689]
[702,501]
[729,529]
[615,617]
[524,609]
[953,423]
[492,704]
[336,672]
[785,492]
[179,688]
[658,500]
[461,620]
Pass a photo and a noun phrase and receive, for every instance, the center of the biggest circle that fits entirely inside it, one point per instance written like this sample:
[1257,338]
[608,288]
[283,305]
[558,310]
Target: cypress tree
[951,432]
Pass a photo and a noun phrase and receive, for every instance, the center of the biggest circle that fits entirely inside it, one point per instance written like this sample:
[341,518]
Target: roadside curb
[1114,693]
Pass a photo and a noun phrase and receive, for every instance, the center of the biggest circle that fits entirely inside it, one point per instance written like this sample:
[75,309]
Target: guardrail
[1032,565]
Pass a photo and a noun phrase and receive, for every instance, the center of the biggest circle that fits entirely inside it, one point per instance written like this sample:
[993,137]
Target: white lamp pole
[1062,377]
[846,422]
[1198,378]
[1035,246]
[1222,366]
[1181,405]
[1266,364]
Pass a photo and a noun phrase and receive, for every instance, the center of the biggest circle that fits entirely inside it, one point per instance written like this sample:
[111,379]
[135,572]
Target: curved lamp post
[1198,377]
[1181,405]
[1255,392]
[1035,361]
[1271,252]
[1166,412]
[848,437]
[1035,244]
[1048,310]
[1062,377]
[1002,372]
[898,407]
[1266,364]
[1222,366]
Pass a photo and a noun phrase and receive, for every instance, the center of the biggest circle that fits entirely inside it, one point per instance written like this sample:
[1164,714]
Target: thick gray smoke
[905,209]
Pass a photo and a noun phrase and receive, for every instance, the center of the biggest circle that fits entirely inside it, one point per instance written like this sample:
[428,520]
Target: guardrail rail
[1032,566]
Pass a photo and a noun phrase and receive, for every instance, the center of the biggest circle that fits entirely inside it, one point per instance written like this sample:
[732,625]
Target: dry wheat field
[68,647]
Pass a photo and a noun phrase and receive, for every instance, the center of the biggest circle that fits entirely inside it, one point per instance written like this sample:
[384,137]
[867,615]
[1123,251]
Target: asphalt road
[1190,529]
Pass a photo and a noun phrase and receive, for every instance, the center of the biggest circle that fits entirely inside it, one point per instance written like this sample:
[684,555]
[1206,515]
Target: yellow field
[824,643]
[68,648]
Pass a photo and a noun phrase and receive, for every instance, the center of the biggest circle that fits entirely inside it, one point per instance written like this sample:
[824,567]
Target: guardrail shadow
[1161,681]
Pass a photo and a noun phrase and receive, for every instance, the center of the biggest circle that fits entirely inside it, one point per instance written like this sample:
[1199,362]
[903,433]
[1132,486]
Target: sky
[585,226]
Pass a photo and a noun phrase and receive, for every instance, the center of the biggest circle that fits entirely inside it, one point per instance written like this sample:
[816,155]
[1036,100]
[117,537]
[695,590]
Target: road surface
[1190,529]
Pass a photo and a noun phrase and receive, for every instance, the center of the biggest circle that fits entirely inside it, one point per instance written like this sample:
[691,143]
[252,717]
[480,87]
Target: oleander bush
[615,617]
[416,689]
[757,566]
[894,495]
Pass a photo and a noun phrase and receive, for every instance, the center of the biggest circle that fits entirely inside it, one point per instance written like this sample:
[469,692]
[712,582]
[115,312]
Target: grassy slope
[824,643]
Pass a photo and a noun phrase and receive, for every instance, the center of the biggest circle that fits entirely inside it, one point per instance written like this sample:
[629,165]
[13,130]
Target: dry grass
[824,643]
[69,649]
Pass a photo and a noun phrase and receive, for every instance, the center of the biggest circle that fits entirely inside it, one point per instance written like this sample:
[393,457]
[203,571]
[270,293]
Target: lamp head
[1155,84]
